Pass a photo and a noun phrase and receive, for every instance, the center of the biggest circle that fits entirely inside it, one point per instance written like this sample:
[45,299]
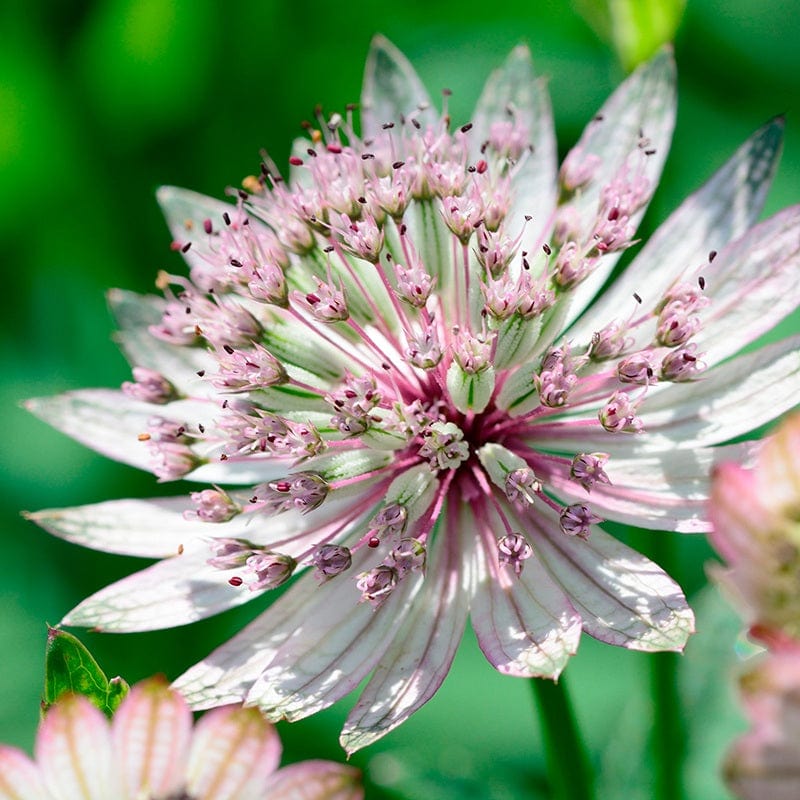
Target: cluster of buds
[557,378]
[302,491]
[212,505]
[587,469]
[252,430]
[171,456]
[513,550]
[149,386]
[262,568]
[354,402]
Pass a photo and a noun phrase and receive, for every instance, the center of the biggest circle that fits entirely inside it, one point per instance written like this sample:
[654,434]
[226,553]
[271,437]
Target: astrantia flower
[390,359]
[756,516]
[152,751]
[765,761]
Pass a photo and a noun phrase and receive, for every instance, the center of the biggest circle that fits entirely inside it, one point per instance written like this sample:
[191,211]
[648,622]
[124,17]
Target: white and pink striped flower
[756,529]
[765,761]
[396,362]
[152,751]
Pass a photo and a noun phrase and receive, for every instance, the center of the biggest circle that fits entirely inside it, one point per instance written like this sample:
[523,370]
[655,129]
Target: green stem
[668,736]
[568,766]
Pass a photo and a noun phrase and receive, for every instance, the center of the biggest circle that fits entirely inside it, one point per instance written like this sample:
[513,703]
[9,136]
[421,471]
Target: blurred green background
[101,102]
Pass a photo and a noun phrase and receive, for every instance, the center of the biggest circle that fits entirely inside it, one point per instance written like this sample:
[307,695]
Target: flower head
[395,358]
[152,751]
[755,509]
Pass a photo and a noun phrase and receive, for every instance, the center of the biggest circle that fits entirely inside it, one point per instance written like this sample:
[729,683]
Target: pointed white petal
[515,86]
[73,751]
[151,731]
[665,492]
[624,598]
[157,528]
[316,780]
[729,400]
[175,591]
[391,89]
[19,777]
[134,314]
[110,422]
[526,626]
[416,662]
[720,211]
[146,528]
[643,104]
[226,675]
[330,651]
[752,284]
[234,752]
[186,212]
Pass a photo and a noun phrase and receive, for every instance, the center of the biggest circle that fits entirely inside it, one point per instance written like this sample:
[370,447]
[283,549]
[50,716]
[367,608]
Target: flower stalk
[569,770]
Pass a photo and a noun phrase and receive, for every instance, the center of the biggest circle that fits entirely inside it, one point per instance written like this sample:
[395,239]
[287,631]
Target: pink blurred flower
[756,517]
[397,351]
[765,762]
[152,750]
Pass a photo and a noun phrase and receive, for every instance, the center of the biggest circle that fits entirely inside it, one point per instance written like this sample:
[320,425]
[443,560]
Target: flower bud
[513,550]
[331,560]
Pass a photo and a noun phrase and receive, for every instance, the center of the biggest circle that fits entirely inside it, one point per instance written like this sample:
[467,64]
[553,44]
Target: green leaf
[635,28]
[70,667]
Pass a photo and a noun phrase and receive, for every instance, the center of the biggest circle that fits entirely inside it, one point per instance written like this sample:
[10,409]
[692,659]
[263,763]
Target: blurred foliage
[635,28]
[103,100]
